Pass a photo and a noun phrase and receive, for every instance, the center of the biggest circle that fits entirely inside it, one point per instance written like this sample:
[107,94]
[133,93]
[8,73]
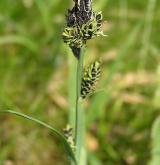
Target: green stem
[78,89]
[78,93]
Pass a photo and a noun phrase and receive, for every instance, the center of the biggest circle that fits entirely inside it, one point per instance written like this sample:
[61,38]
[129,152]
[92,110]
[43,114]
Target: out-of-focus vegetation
[37,69]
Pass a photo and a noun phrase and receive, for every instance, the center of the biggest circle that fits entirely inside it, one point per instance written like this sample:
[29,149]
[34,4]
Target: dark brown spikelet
[80,14]
[90,78]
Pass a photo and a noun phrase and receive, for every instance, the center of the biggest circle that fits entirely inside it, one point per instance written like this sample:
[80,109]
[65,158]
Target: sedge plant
[82,24]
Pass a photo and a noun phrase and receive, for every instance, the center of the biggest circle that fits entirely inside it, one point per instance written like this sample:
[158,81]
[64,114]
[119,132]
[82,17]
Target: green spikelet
[68,133]
[90,78]
[72,37]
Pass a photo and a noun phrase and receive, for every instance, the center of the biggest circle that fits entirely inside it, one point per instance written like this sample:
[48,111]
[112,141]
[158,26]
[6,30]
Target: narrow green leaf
[155,134]
[146,36]
[53,130]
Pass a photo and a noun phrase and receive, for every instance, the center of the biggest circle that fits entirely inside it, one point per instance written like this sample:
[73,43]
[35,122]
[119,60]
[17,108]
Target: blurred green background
[37,78]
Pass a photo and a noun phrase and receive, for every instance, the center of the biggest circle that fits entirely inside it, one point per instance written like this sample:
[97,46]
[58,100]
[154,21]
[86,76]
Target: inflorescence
[82,24]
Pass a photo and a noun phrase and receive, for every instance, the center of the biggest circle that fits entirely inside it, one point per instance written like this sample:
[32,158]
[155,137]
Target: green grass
[36,69]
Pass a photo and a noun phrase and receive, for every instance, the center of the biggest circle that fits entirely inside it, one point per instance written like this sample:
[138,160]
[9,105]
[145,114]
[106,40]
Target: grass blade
[147,30]
[53,130]
[155,142]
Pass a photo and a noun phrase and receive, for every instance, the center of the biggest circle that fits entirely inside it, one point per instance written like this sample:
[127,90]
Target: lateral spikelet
[90,77]
[68,133]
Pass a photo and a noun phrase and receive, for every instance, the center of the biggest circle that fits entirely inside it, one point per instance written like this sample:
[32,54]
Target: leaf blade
[53,130]
[155,135]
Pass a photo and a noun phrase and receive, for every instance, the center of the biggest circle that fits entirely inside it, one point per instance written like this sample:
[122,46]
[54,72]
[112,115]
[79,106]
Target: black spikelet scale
[80,14]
